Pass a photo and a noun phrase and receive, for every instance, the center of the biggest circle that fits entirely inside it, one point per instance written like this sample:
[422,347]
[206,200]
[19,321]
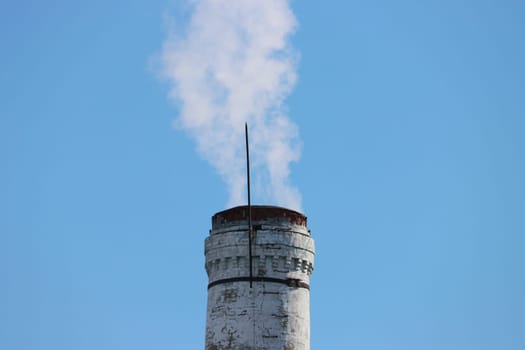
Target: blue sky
[411,115]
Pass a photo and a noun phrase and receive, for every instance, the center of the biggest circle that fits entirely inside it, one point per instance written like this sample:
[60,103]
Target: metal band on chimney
[290,282]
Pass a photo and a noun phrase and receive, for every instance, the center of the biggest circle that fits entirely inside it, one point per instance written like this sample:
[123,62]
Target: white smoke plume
[233,64]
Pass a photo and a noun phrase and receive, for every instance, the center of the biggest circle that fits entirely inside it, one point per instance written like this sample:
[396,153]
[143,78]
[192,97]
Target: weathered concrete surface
[275,312]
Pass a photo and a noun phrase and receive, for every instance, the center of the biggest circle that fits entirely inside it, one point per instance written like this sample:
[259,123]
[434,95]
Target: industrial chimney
[258,291]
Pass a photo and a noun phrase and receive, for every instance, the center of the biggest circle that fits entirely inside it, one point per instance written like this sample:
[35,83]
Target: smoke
[232,64]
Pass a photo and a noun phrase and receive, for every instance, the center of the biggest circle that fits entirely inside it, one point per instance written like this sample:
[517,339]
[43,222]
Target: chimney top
[259,213]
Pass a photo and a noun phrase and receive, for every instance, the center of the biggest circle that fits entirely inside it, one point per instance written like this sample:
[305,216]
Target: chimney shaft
[274,314]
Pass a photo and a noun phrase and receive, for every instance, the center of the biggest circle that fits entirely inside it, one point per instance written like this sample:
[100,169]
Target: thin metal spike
[250,229]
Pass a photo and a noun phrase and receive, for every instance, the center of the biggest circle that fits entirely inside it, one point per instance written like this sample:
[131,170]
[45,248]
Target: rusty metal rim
[259,213]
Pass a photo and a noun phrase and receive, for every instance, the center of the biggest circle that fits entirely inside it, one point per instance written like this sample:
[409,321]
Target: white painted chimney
[268,308]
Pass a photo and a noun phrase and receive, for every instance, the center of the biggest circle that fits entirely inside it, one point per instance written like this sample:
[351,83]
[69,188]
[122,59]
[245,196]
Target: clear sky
[411,115]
